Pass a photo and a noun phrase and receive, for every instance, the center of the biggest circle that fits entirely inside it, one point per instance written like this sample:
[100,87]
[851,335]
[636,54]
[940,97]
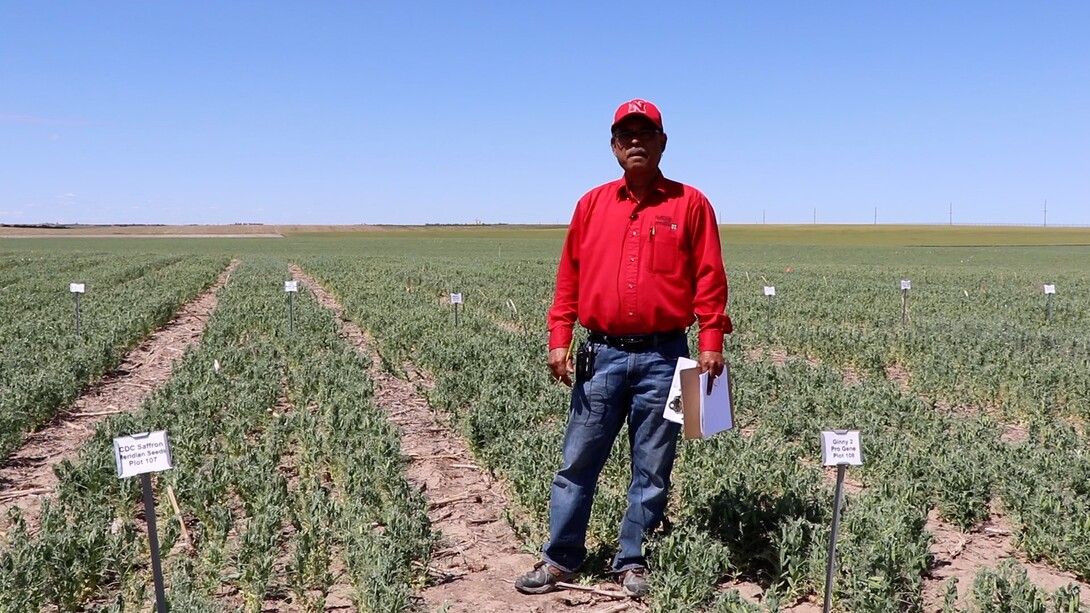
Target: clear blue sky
[407,112]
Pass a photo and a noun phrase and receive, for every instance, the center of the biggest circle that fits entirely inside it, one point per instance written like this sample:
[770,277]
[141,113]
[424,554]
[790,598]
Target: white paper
[672,411]
[1050,289]
[906,284]
[841,447]
[142,453]
[715,408]
[76,288]
[291,286]
[770,290]
[456,298]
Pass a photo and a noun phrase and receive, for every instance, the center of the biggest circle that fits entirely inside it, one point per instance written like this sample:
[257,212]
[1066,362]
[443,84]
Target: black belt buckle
[636,343]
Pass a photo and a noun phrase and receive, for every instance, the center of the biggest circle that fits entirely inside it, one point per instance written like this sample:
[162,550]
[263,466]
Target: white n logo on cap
[636,106]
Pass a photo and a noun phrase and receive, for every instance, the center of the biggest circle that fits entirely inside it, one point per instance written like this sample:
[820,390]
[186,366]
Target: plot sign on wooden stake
[291,287]
[1050,291]
[840,448]
[770,291]
[455,300]
[906,285]
[143,454]
[76,289]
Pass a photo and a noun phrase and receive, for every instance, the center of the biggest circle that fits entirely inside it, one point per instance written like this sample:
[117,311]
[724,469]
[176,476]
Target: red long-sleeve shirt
[640,269]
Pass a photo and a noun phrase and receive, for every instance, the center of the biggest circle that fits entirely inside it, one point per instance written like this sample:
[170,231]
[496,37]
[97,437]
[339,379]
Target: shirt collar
[659,186]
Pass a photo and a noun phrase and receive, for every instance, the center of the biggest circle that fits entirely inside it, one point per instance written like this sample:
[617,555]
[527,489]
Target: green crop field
[971,393]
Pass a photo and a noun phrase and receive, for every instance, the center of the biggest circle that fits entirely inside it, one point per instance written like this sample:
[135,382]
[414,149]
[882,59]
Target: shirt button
[630,286]
[631,259]
[631,314]
[633,233]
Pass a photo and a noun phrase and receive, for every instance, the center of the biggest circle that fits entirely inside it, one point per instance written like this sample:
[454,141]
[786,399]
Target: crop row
[973,338]
[45,363]
[755,506]
[289,480]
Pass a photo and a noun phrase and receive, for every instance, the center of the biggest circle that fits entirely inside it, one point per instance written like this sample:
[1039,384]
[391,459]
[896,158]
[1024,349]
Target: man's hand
[711,361]
[562,364]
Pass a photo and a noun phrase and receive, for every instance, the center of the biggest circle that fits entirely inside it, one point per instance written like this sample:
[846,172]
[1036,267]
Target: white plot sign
[770,290]
[76,288]
[1050,289]
[291,286]
[456,298]
[841,447]
[906,284]
[142,453]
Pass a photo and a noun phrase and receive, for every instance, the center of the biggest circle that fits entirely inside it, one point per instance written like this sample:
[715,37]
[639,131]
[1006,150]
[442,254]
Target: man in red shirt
[641,263]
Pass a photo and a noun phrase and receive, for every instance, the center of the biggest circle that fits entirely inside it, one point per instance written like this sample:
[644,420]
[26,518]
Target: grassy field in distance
[799,234]
[898,235]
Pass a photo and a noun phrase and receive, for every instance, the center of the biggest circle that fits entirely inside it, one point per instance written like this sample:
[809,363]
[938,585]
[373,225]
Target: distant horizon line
[62,226]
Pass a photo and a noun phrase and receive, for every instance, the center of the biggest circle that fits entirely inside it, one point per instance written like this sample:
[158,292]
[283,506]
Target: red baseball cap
[638,107]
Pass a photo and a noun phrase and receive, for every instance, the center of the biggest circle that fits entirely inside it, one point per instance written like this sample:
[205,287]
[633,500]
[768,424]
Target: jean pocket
[597,396]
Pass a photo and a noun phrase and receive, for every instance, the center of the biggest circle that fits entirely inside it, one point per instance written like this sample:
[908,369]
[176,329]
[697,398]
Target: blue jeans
[626,387]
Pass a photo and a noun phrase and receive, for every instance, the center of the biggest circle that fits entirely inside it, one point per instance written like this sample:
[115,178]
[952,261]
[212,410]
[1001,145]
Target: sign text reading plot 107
[142,453]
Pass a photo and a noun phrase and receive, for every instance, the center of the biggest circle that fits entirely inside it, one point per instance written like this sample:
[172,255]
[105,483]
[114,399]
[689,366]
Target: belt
[636,342]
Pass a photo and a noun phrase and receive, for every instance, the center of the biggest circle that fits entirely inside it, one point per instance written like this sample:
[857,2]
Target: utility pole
[876,216]
[763,216]
[951,213]
[1046,212]
[815,215]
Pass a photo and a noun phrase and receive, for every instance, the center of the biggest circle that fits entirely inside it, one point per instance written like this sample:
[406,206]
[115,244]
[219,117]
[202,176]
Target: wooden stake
[591,590]
[178,512]
[98,413]
[34,492]
[444,502]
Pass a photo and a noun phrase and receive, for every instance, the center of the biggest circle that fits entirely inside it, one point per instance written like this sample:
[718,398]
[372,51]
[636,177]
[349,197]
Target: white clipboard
[703,404]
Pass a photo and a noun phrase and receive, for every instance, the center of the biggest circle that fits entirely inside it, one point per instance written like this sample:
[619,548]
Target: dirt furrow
[962,554]
[474,567]
[957,554]
[27,474]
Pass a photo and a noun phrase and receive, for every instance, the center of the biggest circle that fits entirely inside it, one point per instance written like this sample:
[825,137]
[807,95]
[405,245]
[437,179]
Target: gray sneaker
[634,583]
[542,579]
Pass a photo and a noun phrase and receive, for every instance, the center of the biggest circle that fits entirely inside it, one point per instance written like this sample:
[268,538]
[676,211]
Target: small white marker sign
[770,290]
[841,447]
[906,284]
[76,288]
[456,298]
[142,453]
[1050,289]
[291,286]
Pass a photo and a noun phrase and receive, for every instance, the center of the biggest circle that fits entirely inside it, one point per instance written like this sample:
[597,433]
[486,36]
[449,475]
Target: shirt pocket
[664,248]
